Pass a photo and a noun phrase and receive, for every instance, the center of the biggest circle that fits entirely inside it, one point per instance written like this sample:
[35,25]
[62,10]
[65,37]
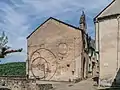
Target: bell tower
[82,22]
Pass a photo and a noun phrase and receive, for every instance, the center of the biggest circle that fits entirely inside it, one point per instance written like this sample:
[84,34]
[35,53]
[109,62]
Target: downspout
[99,50]
[27,63]
[98,45]
[118,35]
[74,60]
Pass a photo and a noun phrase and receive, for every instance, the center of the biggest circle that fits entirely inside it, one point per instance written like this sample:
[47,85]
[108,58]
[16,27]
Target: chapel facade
[58,51]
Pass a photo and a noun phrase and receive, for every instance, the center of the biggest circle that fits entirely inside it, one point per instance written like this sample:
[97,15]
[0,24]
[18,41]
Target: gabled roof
[57,21]
[112,9]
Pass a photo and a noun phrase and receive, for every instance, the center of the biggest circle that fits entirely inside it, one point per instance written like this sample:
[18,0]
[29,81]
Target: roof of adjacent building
[112,9]
[77,28]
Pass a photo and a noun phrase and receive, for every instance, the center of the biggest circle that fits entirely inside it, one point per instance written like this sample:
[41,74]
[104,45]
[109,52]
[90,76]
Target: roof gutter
[106,17]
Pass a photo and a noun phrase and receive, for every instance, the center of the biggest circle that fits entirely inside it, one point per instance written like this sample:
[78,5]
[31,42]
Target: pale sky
[18,18]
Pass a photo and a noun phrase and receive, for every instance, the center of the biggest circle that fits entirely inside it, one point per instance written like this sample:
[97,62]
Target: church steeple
[82,22]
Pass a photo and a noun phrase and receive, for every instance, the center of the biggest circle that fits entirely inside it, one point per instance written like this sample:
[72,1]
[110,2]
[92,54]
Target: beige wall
[58,44]
[106,41]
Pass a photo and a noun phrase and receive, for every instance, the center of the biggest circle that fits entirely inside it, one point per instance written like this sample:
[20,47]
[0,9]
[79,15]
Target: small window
[68,65]
[72,72]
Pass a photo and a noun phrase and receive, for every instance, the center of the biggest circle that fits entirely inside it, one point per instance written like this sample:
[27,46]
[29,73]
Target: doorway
[83,69]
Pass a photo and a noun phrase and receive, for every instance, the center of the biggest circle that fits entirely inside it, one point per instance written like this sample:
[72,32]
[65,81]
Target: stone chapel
[58,51]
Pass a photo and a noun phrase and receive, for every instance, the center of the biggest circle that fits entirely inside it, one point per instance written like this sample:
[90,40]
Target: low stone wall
[21,83]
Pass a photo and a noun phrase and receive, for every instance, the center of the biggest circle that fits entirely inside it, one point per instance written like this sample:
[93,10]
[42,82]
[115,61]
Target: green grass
[15,68]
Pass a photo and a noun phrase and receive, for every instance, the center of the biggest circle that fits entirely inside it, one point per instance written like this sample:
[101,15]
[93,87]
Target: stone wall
[55,52]
[107,42]
[21,83]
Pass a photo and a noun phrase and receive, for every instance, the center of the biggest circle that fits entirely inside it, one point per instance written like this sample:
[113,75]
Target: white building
[107,24]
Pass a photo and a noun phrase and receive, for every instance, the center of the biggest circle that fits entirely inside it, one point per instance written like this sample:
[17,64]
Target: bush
[15,68]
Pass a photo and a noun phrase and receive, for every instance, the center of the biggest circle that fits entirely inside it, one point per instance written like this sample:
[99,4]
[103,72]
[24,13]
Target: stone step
[115,88]
[116,85]
[110,88]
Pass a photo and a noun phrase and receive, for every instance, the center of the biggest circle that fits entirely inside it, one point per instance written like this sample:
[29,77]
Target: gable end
[103,10]
[77,28]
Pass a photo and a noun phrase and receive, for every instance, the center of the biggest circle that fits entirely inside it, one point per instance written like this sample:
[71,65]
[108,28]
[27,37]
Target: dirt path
[83,85]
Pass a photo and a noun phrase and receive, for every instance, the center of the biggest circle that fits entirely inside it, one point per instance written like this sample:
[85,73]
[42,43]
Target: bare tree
[4,49]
